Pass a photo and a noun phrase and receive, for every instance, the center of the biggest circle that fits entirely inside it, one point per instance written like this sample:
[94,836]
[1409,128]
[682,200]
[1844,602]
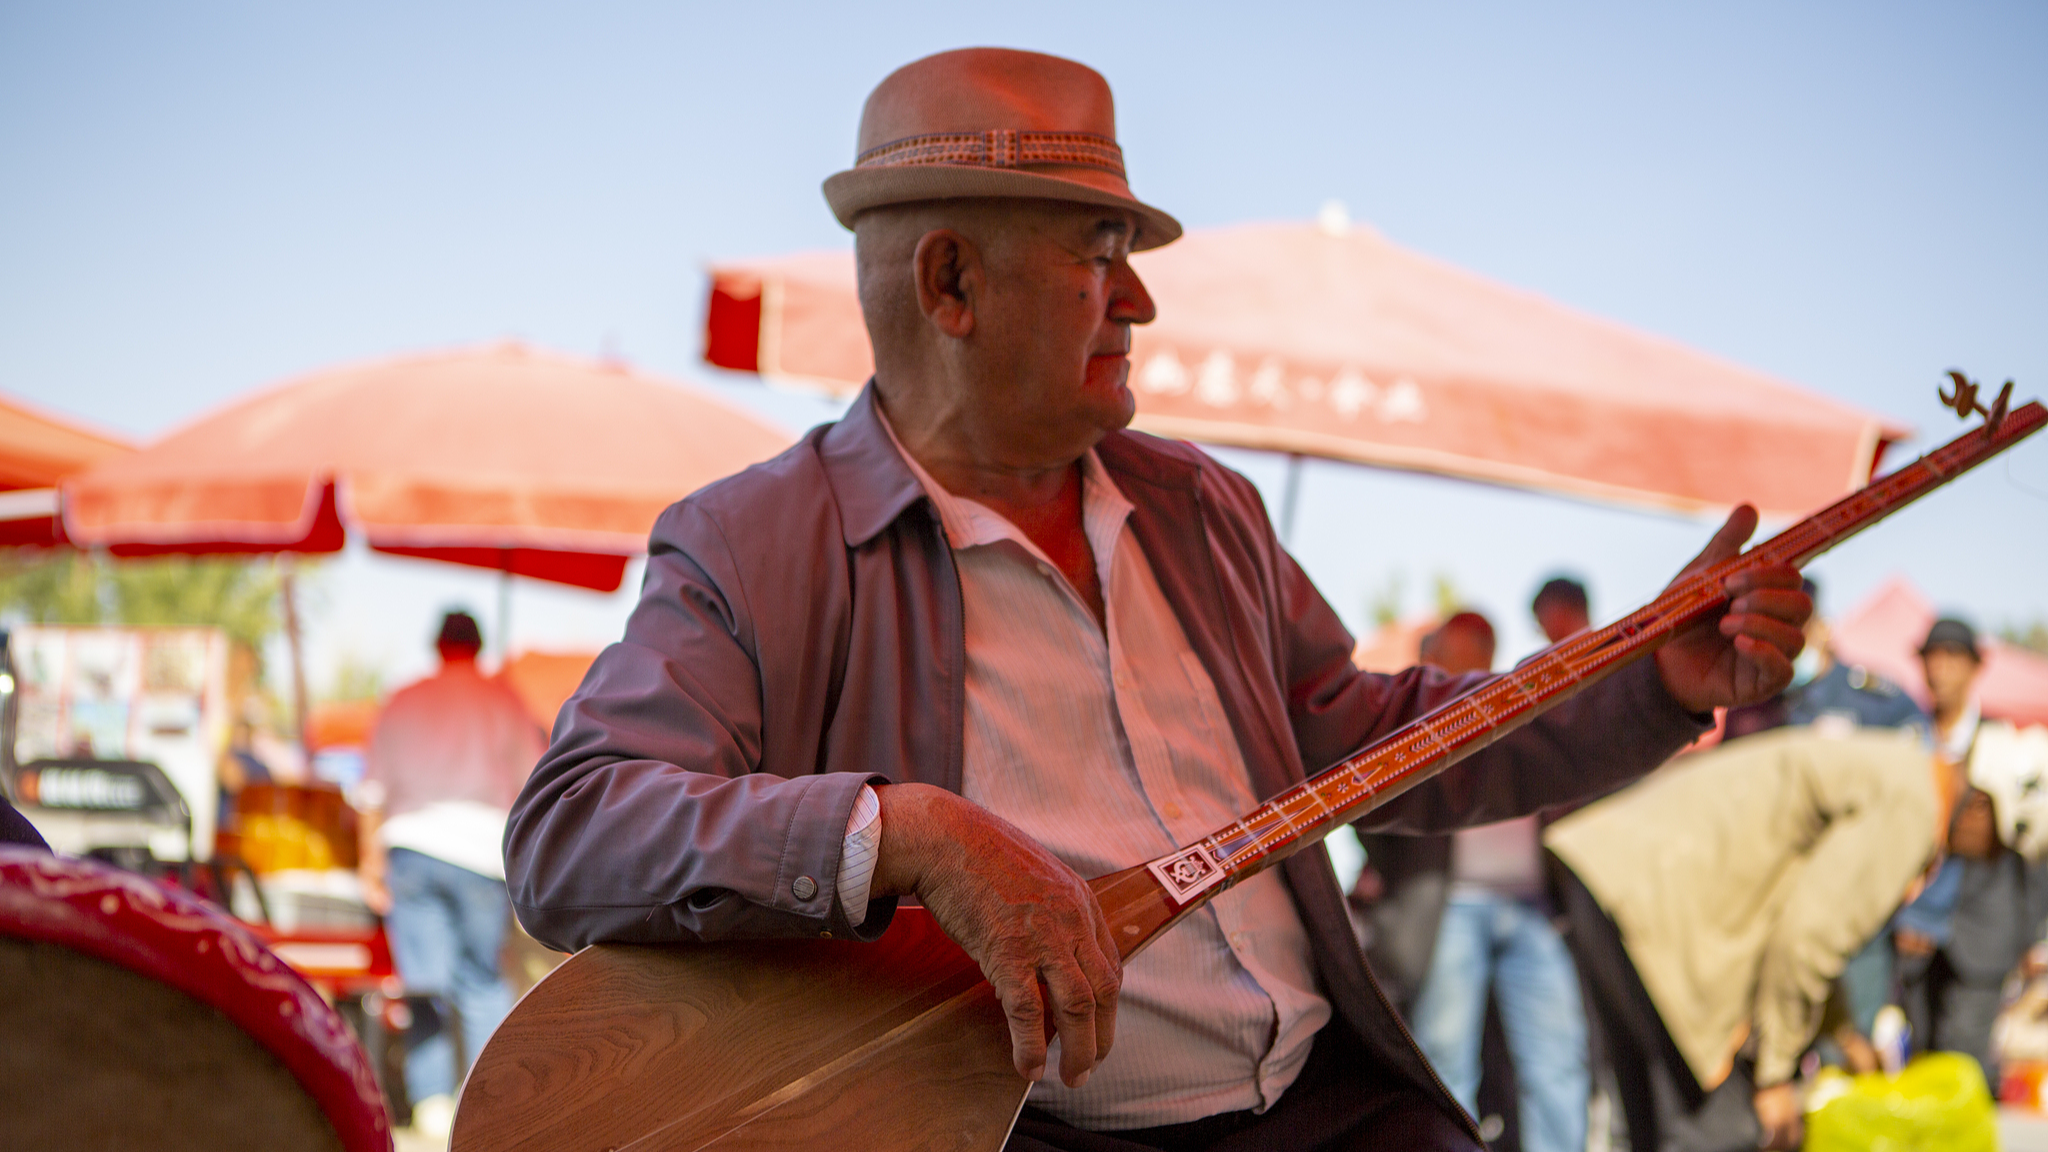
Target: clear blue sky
[198,199]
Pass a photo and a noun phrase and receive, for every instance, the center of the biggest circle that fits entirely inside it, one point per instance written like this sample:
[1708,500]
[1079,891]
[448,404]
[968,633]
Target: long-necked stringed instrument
[901,1044]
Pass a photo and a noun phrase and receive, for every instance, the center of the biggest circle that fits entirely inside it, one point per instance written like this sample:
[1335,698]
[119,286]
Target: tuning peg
[1996,416]
[1963,399]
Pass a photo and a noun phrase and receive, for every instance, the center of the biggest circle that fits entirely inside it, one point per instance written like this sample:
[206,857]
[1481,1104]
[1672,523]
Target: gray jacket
[799,634]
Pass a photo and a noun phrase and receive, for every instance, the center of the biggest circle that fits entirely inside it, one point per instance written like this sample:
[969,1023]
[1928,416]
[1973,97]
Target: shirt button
[1237,939]
[1045,570]
[804,888]
[1173,811]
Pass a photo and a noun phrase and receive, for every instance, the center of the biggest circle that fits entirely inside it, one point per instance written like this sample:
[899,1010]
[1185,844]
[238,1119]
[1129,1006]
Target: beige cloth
[1742,879]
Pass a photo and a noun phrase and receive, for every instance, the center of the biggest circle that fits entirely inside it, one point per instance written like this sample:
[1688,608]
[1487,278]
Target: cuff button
[804,888]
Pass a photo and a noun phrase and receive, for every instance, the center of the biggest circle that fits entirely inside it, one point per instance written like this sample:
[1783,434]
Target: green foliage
[356,679]
[1449,602]
[50,588]
[238,596]
[2033,637]
[1383,604]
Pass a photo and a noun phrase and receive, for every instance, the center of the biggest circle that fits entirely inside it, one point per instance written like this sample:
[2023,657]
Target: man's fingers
[1774,576]
[1788,604]
[1762,670]
[1782,635]
[1735,531]
[1073,1014]
[1106,980]
[1026,1013]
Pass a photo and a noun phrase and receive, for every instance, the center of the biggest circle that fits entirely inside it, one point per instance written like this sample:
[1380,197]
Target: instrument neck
[1305,813]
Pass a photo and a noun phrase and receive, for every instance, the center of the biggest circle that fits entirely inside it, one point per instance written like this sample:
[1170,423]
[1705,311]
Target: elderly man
[975,641]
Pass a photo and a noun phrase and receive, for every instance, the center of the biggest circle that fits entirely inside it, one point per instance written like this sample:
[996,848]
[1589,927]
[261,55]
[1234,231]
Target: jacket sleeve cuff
[843,902]
[1645,687]
[1774,1068]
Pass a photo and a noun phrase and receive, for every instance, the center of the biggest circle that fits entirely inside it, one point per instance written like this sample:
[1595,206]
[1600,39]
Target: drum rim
[180,941]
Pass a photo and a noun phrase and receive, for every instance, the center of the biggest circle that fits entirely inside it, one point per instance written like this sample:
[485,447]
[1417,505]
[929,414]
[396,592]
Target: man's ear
[949,280]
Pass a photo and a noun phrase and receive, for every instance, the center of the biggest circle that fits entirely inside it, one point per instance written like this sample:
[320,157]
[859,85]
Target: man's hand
[375,894]
[1025,917]
[1744,655]
[372,860]
[1856,1049]
[1777,1111]
[1911,943]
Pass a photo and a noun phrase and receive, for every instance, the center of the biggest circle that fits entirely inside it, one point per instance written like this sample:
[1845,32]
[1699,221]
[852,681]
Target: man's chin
[1111,390]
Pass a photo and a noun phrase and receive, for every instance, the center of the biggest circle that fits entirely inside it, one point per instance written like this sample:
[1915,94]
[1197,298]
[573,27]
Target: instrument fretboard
[1303,814]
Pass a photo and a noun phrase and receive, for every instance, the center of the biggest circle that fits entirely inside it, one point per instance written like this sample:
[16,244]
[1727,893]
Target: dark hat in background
[459,630]
[1949,632]
[1561,590]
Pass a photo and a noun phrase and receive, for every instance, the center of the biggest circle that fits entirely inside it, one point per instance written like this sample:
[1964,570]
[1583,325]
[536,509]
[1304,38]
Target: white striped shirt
[1112,750]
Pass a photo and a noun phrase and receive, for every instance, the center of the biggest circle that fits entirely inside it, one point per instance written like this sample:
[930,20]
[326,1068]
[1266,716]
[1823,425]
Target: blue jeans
[446,926]
[1510,945]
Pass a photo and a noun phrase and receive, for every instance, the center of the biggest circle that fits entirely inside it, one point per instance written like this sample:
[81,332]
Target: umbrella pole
[1289,497]
[288,589]
[505,608]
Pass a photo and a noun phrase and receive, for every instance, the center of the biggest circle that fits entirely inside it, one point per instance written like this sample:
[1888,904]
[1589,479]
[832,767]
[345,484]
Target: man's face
[1950,672]
[1053,330]
[1462,650]
[1559,620]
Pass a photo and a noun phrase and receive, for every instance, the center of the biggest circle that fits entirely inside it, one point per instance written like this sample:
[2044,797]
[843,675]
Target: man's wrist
[908,812]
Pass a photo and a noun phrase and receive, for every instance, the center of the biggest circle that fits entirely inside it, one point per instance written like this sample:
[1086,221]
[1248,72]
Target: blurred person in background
[239,767]
[1835,696]
[1561,608]
[449,756]
[1712,905]
[1956,943]
[1475,901]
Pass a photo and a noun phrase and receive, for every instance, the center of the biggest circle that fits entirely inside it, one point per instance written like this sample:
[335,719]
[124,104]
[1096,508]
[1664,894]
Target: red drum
[137,1016]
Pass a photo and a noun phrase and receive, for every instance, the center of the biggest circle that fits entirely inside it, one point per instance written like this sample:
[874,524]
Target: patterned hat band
[998,148]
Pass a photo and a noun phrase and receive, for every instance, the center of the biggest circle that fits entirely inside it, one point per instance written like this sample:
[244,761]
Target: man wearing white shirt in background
[1495,938]
[446,761]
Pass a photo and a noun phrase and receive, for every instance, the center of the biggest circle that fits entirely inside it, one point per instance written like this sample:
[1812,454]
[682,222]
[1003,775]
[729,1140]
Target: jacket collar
[874,485]
[868,476]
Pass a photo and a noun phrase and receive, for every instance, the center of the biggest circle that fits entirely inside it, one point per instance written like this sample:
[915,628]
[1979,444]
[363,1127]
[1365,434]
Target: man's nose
[1129,302]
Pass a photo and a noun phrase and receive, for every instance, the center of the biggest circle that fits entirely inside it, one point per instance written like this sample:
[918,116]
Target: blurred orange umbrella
[36,451]
[1327,340]
[506,458]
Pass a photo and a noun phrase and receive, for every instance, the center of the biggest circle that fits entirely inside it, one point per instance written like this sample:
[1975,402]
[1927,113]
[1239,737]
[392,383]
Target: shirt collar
[970,523]
[1955,744]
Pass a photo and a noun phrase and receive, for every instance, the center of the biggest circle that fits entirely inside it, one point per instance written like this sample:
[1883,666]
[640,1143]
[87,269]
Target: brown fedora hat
[991,122]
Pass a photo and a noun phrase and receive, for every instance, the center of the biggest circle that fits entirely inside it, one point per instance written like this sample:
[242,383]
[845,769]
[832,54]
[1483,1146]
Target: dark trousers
[1948,1013]
[1331,1107]
[1663,1104]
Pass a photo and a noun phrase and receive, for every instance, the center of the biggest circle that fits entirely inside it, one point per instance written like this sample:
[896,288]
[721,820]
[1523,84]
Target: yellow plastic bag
[1937,1104]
